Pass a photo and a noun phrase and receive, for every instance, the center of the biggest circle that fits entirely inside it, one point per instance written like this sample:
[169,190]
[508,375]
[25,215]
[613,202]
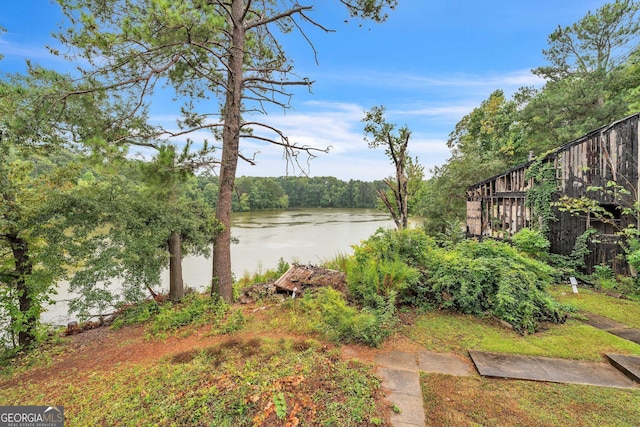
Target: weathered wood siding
[497,207]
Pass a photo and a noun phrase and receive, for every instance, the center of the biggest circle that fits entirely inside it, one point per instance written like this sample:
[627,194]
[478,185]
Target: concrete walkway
[547,369]
[400,371]
[613,327]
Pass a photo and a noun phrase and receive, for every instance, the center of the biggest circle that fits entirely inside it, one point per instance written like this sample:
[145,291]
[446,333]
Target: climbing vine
[540,196]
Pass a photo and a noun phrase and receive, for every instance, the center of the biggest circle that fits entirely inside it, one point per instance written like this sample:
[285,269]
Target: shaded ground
[104,353]
[104,350]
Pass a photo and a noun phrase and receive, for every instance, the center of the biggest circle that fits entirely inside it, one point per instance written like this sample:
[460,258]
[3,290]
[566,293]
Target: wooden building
[498,206]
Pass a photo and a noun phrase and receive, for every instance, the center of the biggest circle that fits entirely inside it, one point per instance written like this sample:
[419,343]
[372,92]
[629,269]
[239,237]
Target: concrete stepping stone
[498,365]
[399,373]
[601,322]
[628,365]
[443,363]
[399,360]
[405,382]
[616,328]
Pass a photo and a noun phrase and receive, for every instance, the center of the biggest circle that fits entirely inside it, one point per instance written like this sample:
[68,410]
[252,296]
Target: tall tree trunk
[176,285]
[403,202]
[222,280]
[23,269]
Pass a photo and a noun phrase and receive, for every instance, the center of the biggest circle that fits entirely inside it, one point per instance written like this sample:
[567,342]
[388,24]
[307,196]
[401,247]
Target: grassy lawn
[448,332]
[476,401]
[238,382]
[621,310]
[265,365]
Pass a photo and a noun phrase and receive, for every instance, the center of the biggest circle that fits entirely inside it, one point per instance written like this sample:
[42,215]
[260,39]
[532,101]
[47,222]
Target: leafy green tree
[491,131]
[30,264]
[33,246]
[632,81]
[486,141]
[586,82]
[190,222]
[136,233]
[597,43]
[202,49]
[445,195]
[396,200]
[254,193]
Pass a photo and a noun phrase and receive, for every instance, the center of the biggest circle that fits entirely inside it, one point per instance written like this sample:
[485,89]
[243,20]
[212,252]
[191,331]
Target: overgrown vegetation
[532,242]
[342,323]
[493,278]
[239,382]
[541,195]
[194,310]
[488,278]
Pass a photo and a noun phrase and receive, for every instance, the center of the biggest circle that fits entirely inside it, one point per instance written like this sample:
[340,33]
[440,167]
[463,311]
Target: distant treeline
[260,193]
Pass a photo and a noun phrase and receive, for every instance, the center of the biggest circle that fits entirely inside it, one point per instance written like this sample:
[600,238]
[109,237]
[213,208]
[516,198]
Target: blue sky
[431,63]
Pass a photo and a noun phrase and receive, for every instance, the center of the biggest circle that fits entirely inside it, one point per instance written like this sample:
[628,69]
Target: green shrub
[462,283]
[480,278]
[628,286]
[193,309]
[532,242]
[371,278]
[390,260]
[454,233]
[411,246]
[341,322]
[633,258]
[137,313]
[493,278]
[604,276]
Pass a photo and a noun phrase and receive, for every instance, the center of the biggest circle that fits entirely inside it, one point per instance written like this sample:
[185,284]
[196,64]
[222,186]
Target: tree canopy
[591,79]
[224,62]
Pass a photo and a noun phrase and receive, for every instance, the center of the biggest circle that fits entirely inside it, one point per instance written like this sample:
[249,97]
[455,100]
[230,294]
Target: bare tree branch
[276,17]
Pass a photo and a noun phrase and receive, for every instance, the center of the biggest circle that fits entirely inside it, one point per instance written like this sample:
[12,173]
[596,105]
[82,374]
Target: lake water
[307,236]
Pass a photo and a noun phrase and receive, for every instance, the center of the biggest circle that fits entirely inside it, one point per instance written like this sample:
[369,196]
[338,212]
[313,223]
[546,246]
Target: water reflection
[308,236]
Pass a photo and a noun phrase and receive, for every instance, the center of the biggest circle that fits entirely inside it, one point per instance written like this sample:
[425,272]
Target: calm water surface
[307,236]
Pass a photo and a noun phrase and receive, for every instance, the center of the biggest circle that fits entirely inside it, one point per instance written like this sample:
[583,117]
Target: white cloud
[24,51]
[322,124]
[417,81]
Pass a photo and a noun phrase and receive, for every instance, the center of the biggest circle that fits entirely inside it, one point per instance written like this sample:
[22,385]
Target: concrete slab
[411,410]
[602,322]
[406,382]
[406,393]
[629,334]
[616,328]
[443,363]
[398,360]
[500,365]
[628,365]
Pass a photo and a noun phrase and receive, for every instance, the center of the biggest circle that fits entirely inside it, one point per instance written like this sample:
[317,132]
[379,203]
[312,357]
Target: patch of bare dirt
[102,348]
